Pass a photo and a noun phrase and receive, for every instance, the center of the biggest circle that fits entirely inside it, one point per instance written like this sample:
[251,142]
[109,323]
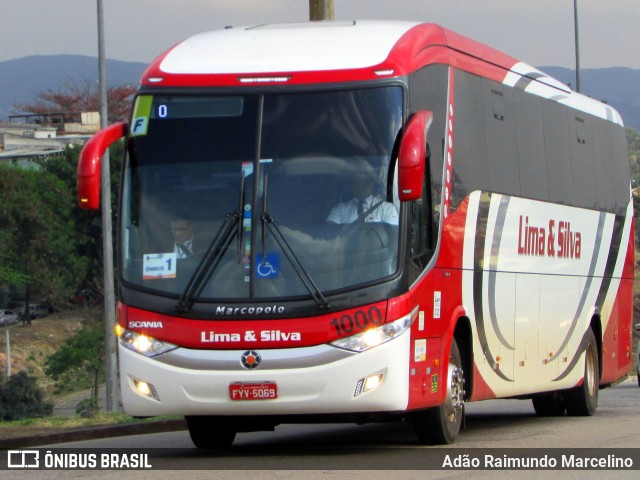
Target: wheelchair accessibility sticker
[268,267]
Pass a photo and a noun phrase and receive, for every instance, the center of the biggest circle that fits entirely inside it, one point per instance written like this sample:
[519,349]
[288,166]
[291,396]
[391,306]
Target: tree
[79,361]
[633,140]
[37,229]
[48,245]
[85,97]
[20,397]
[88,226]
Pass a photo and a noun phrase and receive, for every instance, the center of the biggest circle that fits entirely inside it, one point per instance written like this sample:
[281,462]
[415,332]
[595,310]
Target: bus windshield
[261,196]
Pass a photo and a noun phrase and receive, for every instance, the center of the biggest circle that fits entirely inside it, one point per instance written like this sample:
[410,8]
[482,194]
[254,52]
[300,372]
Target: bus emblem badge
[250,359]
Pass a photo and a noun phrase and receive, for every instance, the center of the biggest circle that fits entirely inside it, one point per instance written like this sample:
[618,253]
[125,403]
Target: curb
[94,432]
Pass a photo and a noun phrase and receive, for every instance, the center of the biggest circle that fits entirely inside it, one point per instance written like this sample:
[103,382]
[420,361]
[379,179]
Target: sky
[539,32]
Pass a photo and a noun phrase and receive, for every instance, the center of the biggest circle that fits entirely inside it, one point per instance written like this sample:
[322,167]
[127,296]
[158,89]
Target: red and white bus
[385,220]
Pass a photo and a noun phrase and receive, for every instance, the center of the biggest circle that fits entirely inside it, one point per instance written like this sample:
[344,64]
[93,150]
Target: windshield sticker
[246,261]
[141,114]
[247,168]
[159,265]
[247,171]
[269,268]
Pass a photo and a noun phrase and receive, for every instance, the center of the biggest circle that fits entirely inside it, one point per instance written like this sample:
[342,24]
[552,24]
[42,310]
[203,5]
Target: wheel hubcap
[590,373]
[455,393]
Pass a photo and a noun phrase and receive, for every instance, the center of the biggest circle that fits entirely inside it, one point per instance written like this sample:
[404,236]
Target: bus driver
[365,206]
[182,232]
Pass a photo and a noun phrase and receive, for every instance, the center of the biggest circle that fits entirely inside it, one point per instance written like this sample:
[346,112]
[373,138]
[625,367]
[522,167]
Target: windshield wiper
[214,253]
[209,262]
[303,274]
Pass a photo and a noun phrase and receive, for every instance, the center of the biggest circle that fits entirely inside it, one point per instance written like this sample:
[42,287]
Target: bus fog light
[369,383]
[146,389]
[372,382]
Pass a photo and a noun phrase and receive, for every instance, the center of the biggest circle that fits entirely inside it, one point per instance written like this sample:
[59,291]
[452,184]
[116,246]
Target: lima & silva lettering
[250,336]
[555,241]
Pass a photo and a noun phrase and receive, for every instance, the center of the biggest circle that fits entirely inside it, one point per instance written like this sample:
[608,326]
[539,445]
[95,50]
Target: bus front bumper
[308,380]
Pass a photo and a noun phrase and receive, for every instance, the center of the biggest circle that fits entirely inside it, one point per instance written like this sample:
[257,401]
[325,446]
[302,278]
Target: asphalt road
[383,450]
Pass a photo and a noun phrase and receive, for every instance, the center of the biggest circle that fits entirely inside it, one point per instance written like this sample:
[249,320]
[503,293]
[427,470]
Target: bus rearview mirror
[89,164]
[412,156]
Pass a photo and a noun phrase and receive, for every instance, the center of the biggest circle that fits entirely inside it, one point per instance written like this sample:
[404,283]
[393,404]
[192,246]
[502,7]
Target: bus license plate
[253,391]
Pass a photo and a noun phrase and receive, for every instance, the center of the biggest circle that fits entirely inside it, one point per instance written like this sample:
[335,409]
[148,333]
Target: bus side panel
[439,294]
[425,375]
[626,308]
[616,351]
[481,389]
[533,273]
[616,354]
[558,230]
[438,291]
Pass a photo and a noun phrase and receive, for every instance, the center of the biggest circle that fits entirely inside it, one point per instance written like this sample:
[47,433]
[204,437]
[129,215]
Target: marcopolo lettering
[249,310]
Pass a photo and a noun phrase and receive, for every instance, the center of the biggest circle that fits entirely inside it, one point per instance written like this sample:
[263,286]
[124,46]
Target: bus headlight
[141,343]
[376,336]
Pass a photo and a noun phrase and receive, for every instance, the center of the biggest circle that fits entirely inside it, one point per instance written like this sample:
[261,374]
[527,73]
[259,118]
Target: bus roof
[334,52]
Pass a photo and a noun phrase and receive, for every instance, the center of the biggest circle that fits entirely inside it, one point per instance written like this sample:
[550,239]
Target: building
[28,137]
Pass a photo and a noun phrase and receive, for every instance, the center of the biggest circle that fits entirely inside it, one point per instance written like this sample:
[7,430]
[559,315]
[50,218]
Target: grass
[46,425]
[102,418]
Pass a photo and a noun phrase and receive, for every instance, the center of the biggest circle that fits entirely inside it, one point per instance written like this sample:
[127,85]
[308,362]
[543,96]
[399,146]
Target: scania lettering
[135,324]
[388,220]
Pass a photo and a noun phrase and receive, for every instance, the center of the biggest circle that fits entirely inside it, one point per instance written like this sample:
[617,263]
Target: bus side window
[424,222]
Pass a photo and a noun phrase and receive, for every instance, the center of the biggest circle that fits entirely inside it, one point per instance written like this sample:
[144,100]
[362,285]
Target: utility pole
[577,43]
[107,240]
[320,10]
[8,353]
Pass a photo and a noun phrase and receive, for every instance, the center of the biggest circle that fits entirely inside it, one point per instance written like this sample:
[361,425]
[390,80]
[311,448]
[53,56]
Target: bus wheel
[549,404]
[210,432]
[583,400]
[441,425]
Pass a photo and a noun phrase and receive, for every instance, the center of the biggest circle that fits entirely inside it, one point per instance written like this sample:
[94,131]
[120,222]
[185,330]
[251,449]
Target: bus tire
[583,400]
[441,425]
[210,432]
[549,404]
